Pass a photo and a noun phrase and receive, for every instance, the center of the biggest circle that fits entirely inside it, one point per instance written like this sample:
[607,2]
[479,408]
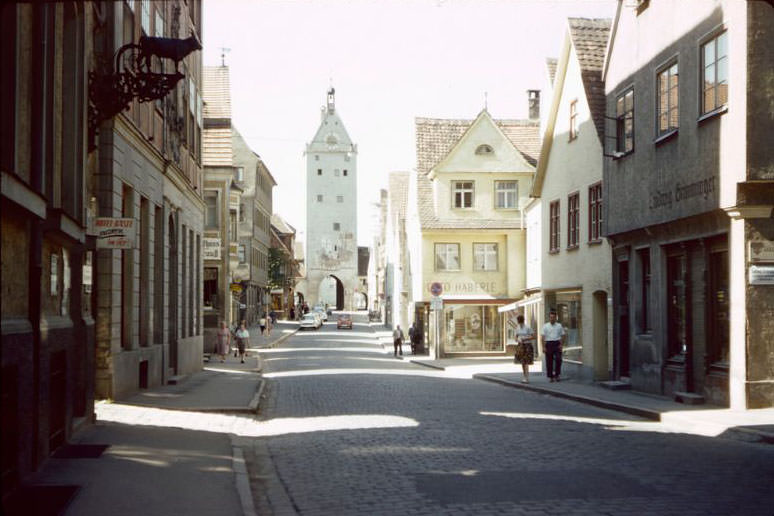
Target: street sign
[436,303]
[436,289]
[761,274]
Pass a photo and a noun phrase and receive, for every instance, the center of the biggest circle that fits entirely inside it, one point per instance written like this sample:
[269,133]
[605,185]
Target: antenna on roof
[223,51]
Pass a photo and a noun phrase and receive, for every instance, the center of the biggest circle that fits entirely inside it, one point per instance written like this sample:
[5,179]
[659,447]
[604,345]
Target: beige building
[466,226]
[573,255]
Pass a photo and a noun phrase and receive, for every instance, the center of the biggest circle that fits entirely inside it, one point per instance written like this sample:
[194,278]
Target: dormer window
[484,149]
[462,194]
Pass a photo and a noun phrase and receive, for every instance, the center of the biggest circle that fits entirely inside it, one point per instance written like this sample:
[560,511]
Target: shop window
[485,257]
[718,303]
[676,305]
[211,287]
[645,315]
[568,310]
[472,328]
[447,257]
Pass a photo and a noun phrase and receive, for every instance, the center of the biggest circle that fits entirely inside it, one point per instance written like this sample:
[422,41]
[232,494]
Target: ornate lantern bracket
[133,77]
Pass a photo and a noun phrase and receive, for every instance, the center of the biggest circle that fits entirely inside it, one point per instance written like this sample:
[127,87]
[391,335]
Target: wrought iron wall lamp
[111,91]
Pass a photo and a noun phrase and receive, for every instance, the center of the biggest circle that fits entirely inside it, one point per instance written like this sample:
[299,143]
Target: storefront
[471,327]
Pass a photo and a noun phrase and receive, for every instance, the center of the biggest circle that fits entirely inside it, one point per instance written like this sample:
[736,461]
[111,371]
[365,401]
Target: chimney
[533,97]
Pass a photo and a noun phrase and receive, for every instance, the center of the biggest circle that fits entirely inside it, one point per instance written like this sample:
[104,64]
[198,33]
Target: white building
[574,257]
[331,213]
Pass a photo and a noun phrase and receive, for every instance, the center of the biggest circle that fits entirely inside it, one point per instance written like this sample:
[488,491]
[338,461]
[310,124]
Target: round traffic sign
[436,288]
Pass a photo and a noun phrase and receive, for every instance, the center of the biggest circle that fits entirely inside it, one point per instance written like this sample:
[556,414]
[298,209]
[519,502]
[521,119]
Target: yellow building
[468,230]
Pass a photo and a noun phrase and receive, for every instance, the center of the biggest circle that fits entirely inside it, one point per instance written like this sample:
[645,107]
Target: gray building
[689,193]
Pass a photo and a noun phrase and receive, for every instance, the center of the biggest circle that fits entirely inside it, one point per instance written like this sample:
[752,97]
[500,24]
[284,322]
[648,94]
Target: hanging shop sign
[236,287]
[115,233]
[211,248]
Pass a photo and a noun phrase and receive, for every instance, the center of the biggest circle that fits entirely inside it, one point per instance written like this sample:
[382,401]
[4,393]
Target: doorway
[331,292]
[622,310]
[599,335]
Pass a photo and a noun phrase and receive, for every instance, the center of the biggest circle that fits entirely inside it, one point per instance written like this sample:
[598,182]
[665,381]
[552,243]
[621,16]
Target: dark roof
[589,38]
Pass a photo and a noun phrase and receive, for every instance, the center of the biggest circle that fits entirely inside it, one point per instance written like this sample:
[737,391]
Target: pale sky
[390,61]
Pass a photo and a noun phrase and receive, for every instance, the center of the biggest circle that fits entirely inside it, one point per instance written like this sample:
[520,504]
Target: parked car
[344,321]
[310,321]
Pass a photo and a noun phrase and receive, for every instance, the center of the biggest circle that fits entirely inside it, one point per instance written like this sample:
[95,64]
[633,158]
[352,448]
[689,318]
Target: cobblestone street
[369,434]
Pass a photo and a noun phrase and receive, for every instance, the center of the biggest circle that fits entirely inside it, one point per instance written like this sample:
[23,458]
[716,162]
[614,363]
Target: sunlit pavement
[348,429]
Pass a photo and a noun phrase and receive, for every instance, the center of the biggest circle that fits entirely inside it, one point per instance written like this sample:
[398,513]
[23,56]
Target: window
[233,225]
[553,240]
[624,122]
[645,323]
[447,257]
[145,19]
[339,198]
[471,328]
[573,220]
[484,149]
[668,114]
[714,60]
[337,172]
[506,194]
[485,257]
[573,119]
[211,200]
[241,212]
[319,198]
[241,252]
[316,157]
[319,171]
[240,174]
[595,212]
[159,24]
[462,194]
[336,226]
[345,171]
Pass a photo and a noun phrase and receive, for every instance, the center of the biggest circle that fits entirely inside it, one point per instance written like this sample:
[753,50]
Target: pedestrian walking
[525,351]
[262,323]
[242,336]
[415,337]
[397,340]
[553,336]
[224,341]
[269,325]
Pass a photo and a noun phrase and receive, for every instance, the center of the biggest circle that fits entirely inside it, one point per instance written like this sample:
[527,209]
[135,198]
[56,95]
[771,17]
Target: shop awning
[518,304]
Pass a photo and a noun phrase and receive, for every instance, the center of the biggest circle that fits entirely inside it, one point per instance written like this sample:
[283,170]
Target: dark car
[344,321]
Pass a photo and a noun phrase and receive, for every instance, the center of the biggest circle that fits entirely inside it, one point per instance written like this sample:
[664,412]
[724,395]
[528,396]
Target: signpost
[436,289]
[436,305]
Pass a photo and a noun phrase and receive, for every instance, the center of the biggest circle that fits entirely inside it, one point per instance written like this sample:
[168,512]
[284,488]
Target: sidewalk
[168,450]
[748,425]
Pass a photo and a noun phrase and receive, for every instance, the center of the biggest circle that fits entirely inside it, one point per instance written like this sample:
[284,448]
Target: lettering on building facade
[468,287]
[666,198]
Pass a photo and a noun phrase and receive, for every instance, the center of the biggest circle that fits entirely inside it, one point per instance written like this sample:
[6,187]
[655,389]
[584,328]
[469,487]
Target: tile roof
[217,150]
[551,68]
[281,224]
[590,37]
[398,192]
[435,139]
[216,92]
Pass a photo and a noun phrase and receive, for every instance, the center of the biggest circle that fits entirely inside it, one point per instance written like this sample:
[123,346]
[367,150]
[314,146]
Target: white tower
[331,212]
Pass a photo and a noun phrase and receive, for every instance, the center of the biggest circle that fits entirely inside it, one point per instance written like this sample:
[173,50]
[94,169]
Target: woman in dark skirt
[525,352]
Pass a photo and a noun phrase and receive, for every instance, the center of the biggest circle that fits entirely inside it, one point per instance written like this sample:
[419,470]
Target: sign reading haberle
[115,233]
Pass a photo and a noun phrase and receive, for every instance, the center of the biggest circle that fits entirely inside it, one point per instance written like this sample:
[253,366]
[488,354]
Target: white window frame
[459,192]
[485,256]
[505,195]
[145,16]
[713,41]
[443,249]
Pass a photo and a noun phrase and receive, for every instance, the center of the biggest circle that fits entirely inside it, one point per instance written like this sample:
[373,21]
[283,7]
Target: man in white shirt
[553,337]
[397,340]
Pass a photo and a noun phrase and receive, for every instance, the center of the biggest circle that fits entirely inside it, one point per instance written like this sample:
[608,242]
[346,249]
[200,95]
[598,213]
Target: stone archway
[331,292]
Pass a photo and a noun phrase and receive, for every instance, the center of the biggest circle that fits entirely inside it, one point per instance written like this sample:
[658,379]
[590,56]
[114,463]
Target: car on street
[321,312]
[344,321]
[310,320]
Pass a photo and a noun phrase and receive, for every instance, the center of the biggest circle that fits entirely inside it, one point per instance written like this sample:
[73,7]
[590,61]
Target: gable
[483,148]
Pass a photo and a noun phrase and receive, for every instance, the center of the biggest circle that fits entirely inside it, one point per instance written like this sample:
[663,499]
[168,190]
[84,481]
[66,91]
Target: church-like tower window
[336,226]
[319,171]
[345,171]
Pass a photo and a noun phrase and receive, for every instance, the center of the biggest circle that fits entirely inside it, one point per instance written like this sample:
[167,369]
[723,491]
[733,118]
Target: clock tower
[331,212]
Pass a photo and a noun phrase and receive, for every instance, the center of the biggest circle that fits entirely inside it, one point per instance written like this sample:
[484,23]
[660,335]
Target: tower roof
[331,135]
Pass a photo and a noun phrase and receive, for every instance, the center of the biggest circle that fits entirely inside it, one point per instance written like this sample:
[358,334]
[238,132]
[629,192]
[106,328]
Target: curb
[242,479]
[611,405]
[253,406]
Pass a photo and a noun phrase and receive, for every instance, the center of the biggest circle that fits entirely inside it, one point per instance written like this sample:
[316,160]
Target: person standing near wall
[397,340]
[553,336]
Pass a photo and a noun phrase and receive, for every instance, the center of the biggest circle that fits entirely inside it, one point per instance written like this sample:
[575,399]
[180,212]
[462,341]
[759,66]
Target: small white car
[321,312]
[310,320]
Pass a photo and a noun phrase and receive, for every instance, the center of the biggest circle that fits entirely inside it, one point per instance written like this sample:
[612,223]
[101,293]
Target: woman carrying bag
[525,352]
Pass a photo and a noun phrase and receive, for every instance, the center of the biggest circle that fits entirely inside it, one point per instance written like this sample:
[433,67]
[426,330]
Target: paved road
[355,431]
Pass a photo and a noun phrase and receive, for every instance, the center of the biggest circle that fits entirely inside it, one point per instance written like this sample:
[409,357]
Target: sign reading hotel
[211,248]
[114,233]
